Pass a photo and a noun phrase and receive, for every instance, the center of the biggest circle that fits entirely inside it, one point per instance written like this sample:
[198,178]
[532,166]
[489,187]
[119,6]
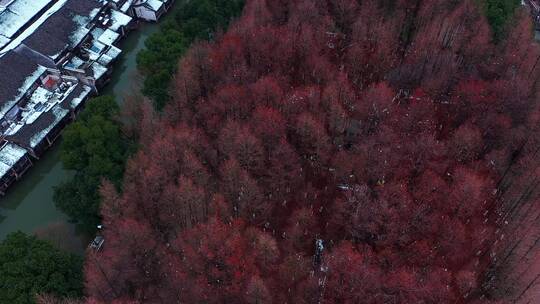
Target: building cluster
[54,55]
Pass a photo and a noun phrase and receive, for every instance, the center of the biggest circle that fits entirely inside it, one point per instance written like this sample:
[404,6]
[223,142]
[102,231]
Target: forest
[317,151]
[335,152]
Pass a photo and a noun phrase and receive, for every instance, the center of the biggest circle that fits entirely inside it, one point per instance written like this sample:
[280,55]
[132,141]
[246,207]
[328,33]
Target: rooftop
[3,41]
[108,37]
[107,58]
[4,4]
[65,28]
[125,7]
[17,75]
[76,97]
[14,15]
[29,135]
[119,19]
[155,5]
[96,70]
[58,113]
[10,154]
[34,26]
[75,63]
[42,100]
[4,169]
[28,123]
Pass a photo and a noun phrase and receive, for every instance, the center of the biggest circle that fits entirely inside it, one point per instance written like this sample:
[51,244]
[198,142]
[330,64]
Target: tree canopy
[193,20]
[328,151]
[499,14]
[94,148]
[29,267]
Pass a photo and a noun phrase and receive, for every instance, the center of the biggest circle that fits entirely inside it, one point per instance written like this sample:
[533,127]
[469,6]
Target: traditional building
[17,15]
[65,30]
[14,162]
[149,10]
[38,106]
[55,54]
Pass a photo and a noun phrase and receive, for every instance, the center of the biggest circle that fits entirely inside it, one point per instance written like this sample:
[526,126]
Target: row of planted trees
[389,130]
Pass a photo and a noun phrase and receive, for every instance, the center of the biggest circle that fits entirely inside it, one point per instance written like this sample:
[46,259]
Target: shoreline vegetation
[96,146]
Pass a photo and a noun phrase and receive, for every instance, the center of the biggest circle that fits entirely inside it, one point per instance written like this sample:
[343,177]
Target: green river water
[28,206]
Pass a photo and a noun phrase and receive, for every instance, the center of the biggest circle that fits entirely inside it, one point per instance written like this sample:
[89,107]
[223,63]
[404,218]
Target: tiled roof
[65,28]
[30,135]
[76,96]
[34,56]
[10,155]
[16,76]
[18,14]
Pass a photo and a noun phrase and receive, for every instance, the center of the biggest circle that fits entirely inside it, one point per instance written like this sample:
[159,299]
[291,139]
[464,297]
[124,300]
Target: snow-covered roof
[34,56]
[25,86]
[18,13]
[109,56]
[39,119]
[74,63]
[120,2]
[125,7]
[95,49]
[82,20]
[108,37]
[3,41]
[59,113]
[119,19]
[76,100]
[65,28]
[4,4]
[44,109]
[34,26]
[97,32]
[155,5]
[40,102]
[114,52]
[4,169]
[17,75]
[11,154]
[98,70]
[105,60]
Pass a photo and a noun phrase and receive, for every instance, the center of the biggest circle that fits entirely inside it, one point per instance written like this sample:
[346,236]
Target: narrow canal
[28,206]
